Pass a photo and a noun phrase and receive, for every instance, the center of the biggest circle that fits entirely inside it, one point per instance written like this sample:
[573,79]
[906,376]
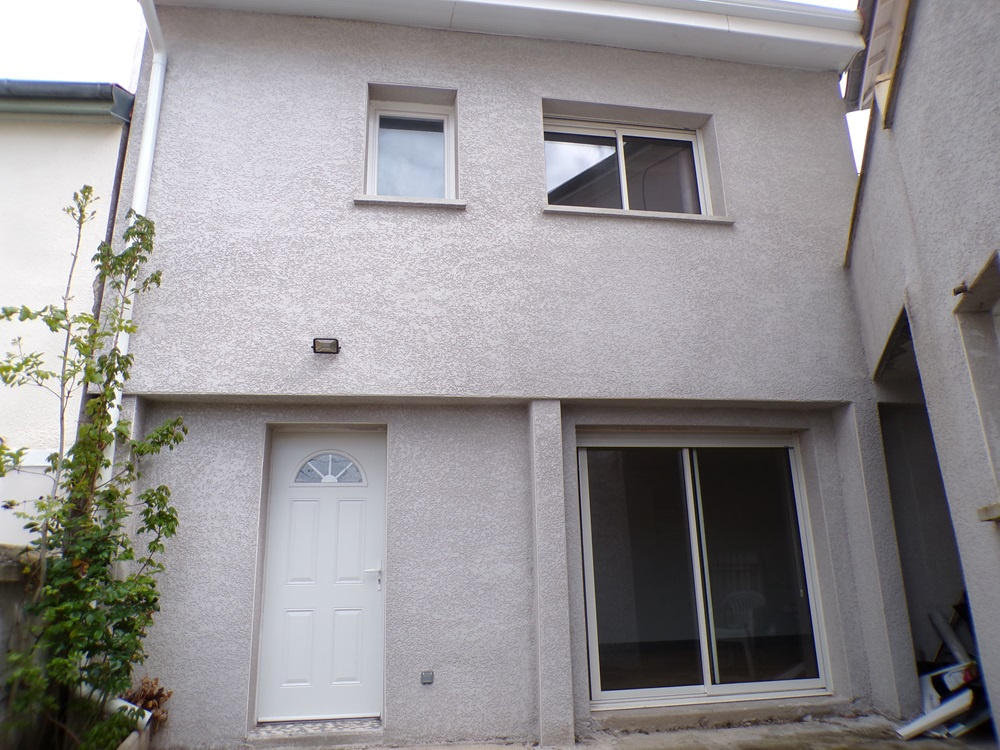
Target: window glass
[582,170]
[584,164]
[647,622]
[411,157]
[660,174]
[329,468]
[696,575]
[760,601]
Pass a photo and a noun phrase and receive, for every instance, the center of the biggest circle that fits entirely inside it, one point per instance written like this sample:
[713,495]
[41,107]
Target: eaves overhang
[763,32]
[99,100]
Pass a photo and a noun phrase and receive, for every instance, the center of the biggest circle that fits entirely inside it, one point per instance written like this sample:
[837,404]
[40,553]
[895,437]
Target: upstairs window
[411,150]
[631,168]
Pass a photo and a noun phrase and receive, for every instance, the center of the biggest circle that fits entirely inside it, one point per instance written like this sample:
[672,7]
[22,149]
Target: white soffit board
[765,32]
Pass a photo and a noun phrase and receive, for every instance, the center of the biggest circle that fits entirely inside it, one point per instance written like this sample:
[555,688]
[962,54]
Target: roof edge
[66,98]
[765,32]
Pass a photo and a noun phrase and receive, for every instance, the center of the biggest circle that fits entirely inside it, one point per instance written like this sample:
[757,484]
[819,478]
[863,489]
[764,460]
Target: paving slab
[825,733]
[863,733]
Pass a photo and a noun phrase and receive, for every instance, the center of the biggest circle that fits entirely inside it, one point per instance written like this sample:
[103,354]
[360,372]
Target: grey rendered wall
[928,222]
[459,562]
[260,155]
[261,152]
[467,576]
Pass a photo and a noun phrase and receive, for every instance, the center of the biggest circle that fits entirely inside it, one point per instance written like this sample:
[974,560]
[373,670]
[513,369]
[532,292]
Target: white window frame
[618,131]
[412,110]
[705,692]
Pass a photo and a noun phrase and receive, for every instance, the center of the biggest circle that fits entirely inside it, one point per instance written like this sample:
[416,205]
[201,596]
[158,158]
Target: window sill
[627,214]
[395,200]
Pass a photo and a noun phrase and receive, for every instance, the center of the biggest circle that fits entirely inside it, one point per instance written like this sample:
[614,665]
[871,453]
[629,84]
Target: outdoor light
[326,346]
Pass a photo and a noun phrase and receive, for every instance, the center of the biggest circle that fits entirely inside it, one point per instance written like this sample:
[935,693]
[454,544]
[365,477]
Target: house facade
[527,392]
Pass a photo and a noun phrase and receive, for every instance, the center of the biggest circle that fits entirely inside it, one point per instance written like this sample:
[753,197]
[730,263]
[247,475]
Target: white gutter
[762,32]
[151,122]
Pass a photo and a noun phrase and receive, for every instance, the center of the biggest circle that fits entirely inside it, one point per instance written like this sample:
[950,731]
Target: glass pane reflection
[411,155]
[582,170]
[660,175]
[759,596]
[647,621]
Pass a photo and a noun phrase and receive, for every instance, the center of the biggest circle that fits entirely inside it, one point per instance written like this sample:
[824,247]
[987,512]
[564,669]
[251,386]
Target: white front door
[323,611]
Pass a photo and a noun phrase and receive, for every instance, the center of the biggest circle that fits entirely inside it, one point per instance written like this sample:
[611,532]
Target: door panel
[321,652]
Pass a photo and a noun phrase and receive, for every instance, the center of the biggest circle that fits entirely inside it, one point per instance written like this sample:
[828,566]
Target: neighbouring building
[527,389]
[54,138]
[923,266]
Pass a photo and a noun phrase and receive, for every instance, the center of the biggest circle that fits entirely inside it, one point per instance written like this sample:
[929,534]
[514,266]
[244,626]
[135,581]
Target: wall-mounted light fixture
[326,346]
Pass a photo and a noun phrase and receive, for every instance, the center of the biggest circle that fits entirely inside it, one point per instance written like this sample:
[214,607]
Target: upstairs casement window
[629,168]
[411,150]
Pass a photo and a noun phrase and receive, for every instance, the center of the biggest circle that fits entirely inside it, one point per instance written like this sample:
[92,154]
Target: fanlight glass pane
[660,175]
[329,468]
[411,157]
[582,170]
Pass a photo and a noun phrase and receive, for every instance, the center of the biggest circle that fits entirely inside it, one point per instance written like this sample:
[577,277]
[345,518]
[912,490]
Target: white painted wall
[45,159]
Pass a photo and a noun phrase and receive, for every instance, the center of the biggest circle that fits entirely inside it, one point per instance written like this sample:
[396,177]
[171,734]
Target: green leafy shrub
[92,568]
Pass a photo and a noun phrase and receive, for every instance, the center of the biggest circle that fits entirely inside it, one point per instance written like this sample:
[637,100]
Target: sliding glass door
[696,579]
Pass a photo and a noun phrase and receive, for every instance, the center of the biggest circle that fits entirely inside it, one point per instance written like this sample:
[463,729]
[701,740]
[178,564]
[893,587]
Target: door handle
[377,570]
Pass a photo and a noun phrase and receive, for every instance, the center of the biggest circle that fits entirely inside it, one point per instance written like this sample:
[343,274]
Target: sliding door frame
[707,692]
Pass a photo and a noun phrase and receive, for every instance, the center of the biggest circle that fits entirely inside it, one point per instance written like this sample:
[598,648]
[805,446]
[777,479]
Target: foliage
[92,568]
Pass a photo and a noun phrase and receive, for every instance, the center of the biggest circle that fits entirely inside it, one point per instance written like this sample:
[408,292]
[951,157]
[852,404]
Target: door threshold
[330,731]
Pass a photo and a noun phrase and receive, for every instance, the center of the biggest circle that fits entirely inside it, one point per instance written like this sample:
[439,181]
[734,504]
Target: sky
[101,41]
[71,40]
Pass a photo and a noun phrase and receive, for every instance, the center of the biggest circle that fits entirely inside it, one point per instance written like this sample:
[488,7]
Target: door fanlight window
[330,468]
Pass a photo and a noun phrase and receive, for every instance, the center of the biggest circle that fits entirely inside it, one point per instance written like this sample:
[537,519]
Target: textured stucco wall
[928,222]
[259,158]
[458,570]
[261,152]
[469,564]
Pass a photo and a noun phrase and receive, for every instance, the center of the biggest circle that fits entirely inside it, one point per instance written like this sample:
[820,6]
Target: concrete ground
[826,733]
[864,733]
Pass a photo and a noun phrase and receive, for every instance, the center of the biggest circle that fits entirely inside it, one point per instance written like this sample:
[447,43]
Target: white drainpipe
[144,168]
[157,76]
